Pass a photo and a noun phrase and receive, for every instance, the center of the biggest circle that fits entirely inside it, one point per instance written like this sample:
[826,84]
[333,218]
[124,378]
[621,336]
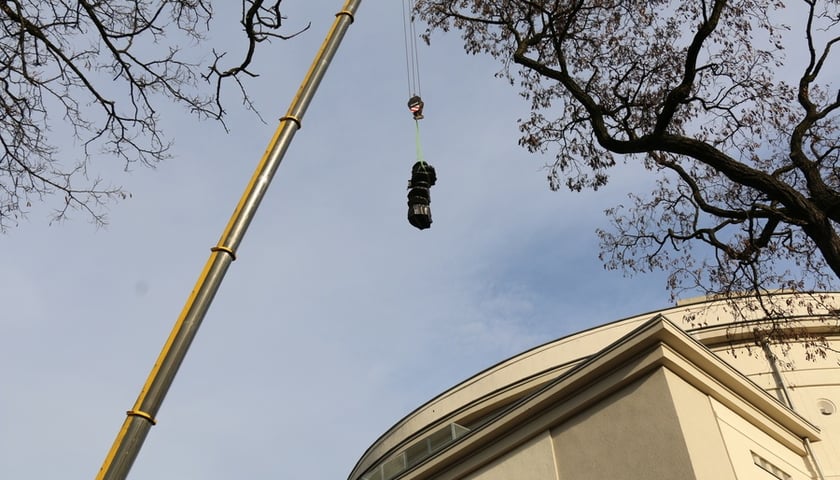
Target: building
[683,393]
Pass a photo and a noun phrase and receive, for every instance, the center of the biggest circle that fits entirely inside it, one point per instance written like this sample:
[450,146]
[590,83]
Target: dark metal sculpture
[423,177]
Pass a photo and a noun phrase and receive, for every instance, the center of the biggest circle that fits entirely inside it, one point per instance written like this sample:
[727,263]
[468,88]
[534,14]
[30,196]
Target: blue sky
[338,317]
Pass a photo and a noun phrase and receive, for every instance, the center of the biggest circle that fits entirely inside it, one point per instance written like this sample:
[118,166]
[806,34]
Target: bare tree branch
[747,155]
[103,69]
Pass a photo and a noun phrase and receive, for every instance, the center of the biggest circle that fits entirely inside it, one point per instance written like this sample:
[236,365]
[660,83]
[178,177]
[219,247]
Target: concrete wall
[813,384]
[531,461]
[710,322]
[634,433]
[701,433]
[658,427]
[743,439]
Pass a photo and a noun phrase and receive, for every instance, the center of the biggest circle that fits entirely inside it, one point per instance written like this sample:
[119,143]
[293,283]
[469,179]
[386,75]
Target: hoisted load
[422,178]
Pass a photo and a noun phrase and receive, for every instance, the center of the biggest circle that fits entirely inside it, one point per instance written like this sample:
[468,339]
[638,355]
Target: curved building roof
[722,327]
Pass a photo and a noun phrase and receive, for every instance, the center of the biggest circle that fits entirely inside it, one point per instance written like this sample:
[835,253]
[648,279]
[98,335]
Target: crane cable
[412,69]
[423,175]
[412,60]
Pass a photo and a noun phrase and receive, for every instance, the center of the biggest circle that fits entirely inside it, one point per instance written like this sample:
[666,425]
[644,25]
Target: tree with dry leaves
[103,69]
[731,104]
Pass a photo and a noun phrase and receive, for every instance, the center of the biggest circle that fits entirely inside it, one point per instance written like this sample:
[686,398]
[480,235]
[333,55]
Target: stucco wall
[661,426]
[626,435]
[701,434]
[811,381]
[741,439]
[532,461]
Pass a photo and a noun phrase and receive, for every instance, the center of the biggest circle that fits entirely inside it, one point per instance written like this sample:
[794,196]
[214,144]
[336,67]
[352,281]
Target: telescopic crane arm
[141,417]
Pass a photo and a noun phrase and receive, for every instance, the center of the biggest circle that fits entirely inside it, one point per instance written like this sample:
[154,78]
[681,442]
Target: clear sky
[338,318]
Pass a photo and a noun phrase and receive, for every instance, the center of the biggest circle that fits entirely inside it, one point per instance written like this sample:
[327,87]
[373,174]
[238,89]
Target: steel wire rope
[412,59]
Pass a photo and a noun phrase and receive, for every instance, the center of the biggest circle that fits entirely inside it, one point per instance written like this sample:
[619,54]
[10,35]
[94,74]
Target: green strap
[417,140]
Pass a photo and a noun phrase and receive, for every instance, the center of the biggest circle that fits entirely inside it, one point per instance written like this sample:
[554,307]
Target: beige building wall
[701,433]
[658,428]
[625,435]
[817,402]
[533,461]
[743,440]
[642,398]
[812,382]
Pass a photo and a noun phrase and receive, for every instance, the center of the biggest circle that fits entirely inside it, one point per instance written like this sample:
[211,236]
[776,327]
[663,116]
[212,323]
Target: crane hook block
[415,106]
[422,178]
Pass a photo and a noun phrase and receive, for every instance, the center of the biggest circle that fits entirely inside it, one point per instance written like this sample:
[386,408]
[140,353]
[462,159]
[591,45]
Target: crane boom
[141,417]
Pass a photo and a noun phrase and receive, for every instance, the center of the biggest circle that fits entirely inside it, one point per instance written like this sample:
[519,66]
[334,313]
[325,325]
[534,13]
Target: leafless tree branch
[699,93]
[102,70]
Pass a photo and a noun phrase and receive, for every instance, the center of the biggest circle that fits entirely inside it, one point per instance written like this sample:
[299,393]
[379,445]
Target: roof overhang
[657,343]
